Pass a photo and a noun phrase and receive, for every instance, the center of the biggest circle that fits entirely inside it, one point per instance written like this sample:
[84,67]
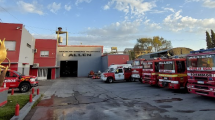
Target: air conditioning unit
[35,50]
[36,65]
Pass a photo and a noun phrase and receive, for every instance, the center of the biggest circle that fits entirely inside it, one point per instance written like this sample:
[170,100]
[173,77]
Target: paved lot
[92,99]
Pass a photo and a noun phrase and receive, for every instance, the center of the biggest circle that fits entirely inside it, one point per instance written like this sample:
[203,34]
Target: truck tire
[132,79]
[24,87]
[140,80]
[110,80]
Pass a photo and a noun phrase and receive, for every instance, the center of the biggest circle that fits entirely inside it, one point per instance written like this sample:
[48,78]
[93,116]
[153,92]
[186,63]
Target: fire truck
[137,70]
[201,72]
[173,73]
[118,74]
[14,79]
[150,71]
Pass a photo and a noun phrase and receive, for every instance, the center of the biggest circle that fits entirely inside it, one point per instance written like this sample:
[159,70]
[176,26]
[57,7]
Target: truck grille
[201,87]
[201,78]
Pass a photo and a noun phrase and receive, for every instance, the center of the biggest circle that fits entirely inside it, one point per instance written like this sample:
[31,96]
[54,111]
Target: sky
[114,23]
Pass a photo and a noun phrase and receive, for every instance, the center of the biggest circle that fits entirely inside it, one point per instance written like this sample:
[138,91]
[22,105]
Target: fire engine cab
[14,79]
[173,73]
[120,73]
[150,72]
[137,70]
[201,72]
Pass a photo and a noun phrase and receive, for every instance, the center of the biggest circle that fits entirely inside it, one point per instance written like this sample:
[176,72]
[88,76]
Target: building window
[10,45]
[44,53]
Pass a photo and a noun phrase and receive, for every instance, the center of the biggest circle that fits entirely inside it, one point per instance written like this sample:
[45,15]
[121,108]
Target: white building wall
[26,68]
[26,54]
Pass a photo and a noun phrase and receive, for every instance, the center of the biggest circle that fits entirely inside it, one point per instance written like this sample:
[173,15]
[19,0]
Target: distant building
[168,52]
[126,51]
[46,59]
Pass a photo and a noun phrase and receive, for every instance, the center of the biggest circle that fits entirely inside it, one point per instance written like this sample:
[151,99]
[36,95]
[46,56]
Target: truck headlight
[211,89]
[32,79]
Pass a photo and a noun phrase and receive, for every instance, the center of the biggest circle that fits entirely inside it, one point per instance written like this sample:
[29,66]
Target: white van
[112,68]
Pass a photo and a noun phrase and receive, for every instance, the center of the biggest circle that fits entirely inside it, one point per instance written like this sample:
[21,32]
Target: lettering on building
[78,55]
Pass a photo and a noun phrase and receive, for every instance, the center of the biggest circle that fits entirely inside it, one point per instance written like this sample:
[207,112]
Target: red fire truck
[150,72]
[120,73]
[14,79]
[137,70]
[201,72]
[173,73]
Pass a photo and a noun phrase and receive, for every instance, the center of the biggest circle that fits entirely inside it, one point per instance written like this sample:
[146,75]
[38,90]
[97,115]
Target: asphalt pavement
[92,99]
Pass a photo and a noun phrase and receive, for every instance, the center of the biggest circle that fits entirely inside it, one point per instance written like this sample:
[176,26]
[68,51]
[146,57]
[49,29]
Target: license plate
[165,78]
[200,82]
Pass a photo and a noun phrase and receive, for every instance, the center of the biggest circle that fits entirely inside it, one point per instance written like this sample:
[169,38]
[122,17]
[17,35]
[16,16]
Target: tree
[209,41]
[156,44]
[213,38]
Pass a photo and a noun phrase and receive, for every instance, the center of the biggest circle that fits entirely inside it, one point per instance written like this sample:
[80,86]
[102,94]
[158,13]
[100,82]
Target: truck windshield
[110,70]
[147,65]
[167,65]
[18,73]
[201,61]
[136,62]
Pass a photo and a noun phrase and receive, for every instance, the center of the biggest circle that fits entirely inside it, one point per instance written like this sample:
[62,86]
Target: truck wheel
[110,80]
[132,79]
[24,87]
[185,88]
[140,80]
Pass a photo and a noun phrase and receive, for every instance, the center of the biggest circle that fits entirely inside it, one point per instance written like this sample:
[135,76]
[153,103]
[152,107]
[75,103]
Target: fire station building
[46,59]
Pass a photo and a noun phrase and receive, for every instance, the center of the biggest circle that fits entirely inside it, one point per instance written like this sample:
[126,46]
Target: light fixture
[17,28]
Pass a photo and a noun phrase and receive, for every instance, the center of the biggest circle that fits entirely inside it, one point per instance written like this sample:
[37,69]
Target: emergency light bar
[203,50]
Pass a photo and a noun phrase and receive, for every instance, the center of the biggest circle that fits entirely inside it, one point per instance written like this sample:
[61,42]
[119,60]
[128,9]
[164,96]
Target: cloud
[151,26]
[133,7]
[115,29]
[30,8]
[209,4]
[80,1]
[120,34]
[67,7]
[176,22]
[106,7]
[169,9]
[54,7]
[206,3]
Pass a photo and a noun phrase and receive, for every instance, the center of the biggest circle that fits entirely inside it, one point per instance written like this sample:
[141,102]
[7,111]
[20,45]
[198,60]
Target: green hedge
[8,111]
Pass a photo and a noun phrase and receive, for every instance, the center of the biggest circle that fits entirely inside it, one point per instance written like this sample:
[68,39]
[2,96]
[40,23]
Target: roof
[47,67]
[80,45]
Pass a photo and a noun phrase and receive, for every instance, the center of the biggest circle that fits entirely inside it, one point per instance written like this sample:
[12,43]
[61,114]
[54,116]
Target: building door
[49,73]
[68,68]
[42,74]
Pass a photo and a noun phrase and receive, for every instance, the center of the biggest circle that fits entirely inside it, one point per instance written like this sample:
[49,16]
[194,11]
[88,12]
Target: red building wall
[45,45]
[10,32]
[12,66]
[117,59]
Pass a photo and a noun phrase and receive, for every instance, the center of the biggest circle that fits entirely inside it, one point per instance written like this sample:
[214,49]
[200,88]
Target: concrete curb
[25,110]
